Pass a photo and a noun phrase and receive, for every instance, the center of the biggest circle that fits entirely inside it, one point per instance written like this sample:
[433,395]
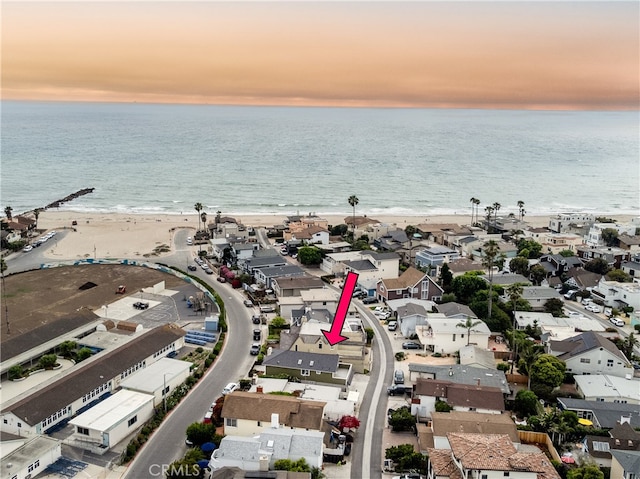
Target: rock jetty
[72,196]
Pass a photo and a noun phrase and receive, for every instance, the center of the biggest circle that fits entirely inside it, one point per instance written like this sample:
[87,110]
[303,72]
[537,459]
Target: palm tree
[521,209]
[36,214]
[628,344]
[203,217]
[198,207]
[473,204]
[468,324]
[489,211]
[515,293]
[7,212]
[218,217]
[496,207]
[491,251]
[353,201]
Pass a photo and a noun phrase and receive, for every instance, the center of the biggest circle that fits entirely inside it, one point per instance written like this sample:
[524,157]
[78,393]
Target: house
[464,265]
[294,285]
[553,243]
[625,464]
[601,387]
[309,367]
[460,374]
[447,335]
[249,414]
[581,279]
[455,310]
[297,223]
[310,235]
[603,415]
[490,456]
[557,265]
[443,423]
[266,275]
[351,351]
[242,251]
[594,236]
[260,453]
[622,437]
[436,255]
[613,256]
[508,250]
[537,296]
[477,357]
[413,283]
[616,294]
[107,423]
[438,232]
[386,264]
[461,397]
[632,267]
[591,353]
[393,240]
[565,222]
[630,243]
[409,316]
[259,262]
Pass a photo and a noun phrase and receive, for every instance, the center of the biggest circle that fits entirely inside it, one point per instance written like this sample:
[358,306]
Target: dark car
[256,334]
[141,305]
[255,320]
[398,390]
[191,267]
[369,300]
[222,279]
[411,345]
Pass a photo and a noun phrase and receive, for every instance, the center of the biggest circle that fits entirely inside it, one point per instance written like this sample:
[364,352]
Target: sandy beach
[129,236]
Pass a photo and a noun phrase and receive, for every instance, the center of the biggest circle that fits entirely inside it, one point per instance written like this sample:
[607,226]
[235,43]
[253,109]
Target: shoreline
[114,235]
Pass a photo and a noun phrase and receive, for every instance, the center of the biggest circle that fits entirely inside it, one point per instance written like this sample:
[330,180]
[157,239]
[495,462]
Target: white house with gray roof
[435,255]
[261,452]
[265,275]
[603,415]
[444,335]
[537,296]
[456,311]
[625,464]
[602,387]
[461,374]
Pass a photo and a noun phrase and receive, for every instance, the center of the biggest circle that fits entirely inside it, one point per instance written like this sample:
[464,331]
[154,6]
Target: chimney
[626,419]
[259,390]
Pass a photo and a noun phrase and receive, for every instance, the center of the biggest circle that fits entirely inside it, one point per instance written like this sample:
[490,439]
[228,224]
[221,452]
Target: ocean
[145,159]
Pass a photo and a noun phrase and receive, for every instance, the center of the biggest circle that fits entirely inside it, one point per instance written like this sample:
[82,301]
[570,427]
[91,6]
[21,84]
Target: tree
[466,286]
[598,266]
[610,236]
[590,471]
[402,420]
[406,458]
[15,372]
[83,354]
[309,255]
[529,248]
[619,275]
[199,433]
[519,265]
[36,215]
[555,307]
[446,277]
[203,217]
[628,344]
[48,361]
[521,209]
[491,251]
[468,325]
[477,203]
[294,466]
[338,230]
[537,273]
[198,207]
[514,292]
[442,406]
[278,322]
[488,213]
[67,348]
[3,265]
[473,204]
[526,403]
[546,374]
[8,210]
[353,201]
[496,208]
[566,253]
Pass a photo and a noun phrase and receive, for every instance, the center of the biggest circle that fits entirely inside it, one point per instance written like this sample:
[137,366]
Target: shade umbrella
[585,422]
[208,447]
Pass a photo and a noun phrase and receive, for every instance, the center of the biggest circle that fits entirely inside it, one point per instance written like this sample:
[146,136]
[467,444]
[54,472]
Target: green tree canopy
[555,307]
[338,230]
[466,286]
[300,465]
[619,275]
[534,249]
[526,403]
[537,273]
[446,278]
[598,266]
[546,374]
[406,458]
[199,433]
[590,471]
[402,420]
[610,236]
[566,253]
[519,265]
[309,255]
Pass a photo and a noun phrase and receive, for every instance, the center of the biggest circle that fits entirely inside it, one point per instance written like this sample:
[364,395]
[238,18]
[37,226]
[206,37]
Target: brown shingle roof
[442,463]
[410,277]
[479,397]
[83,380]
[484,451]
[292,412]
[473,422]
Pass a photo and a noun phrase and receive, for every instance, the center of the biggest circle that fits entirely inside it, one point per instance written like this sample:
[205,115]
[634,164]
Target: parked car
[594,308]
[189,241]
[141,305]
[255,319]
[411,345]
[229,388]
[369,300]
[398,390]
[208,271]
[255,349]
[398,376]
[570,294]
[248,303]
[27,248]
[222,279]
[410,475]
[616,322]
[257,334]
[191,267]
[392,326]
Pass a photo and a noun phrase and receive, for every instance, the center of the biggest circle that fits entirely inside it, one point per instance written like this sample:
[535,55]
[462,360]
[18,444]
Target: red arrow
[333,335]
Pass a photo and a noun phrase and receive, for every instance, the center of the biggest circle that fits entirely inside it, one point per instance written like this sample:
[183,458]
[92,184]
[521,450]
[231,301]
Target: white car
[229,388]
[617,322]
[594,308]
[27,248]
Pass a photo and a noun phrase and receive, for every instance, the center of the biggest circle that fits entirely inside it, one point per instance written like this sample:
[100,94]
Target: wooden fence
[539,439]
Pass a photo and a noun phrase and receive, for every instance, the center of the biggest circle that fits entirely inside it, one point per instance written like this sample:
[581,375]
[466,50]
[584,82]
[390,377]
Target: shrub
[48,361]
[504,367]
[15,372]
[83,354]
[400,356]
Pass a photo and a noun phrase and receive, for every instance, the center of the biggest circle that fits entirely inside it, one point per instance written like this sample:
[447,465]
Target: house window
[318,372]
[506,474]
[484,476]
[454,337]
[304,372]
[132,421]
[609,363]
[83,430]
[585,360]
[259,423]
[19,424]
[231,422]
[5,421]
[319,345]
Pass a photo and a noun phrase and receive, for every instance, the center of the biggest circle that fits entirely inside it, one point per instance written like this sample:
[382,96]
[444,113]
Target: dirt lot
[43,297]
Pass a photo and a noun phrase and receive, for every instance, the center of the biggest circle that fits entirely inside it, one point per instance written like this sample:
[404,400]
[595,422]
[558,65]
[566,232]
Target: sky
[450,54]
